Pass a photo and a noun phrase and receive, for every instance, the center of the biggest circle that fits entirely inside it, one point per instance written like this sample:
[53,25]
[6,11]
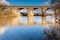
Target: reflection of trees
[23,14]
[36,14]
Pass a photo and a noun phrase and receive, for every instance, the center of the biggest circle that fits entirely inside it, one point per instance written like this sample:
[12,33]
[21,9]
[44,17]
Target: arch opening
[37,12]
[23,15]
[37,16]
[50,11]
[5,11]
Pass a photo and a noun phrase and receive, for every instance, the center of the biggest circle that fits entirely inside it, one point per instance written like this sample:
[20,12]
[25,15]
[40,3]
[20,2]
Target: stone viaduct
[14,11]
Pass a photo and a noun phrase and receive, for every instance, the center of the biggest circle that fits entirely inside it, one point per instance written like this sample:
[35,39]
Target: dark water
[24,33]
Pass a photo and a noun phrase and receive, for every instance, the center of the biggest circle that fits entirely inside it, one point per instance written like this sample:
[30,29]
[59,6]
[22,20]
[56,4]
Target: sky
[24,2]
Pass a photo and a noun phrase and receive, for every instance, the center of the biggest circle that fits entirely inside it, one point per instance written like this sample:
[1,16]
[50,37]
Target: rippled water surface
[23,33]
[19,32]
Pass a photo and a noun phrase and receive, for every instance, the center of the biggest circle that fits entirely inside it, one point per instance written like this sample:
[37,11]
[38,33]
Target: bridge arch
[23,15]
[5,11]
[50,11]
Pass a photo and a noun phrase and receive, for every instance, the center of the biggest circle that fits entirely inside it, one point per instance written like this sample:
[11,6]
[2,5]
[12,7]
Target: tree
[55,2]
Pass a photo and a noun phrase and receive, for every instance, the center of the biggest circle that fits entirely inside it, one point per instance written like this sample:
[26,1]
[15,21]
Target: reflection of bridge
[14,11]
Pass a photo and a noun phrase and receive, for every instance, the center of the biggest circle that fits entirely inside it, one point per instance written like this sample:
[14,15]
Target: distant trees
[52,3]
[55,2]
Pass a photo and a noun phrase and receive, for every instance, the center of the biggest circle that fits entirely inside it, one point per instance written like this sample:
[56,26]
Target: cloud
[4,2]
[3,29]
[47,3]
[51,3]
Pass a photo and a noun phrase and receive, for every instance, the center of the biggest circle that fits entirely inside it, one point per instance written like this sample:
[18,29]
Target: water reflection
[2,30]
[38,19]
[23,33]
[9,21]
[20,32]
[23,20]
